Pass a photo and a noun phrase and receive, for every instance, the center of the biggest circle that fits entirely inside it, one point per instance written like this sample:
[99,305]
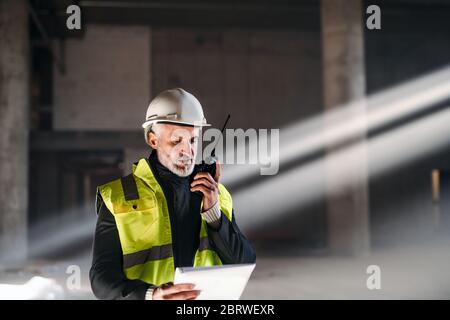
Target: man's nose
[186,148]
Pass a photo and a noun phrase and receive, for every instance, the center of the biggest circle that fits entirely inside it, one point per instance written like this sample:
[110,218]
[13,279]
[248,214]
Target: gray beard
[173,168]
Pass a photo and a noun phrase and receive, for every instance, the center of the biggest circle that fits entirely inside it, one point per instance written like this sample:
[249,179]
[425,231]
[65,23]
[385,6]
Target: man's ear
[153,140]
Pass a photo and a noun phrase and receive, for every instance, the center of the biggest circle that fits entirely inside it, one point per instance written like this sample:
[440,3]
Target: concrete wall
[264,78]
[107,81]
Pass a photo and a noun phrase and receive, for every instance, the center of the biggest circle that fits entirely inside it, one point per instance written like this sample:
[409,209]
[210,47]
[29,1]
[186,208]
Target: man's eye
[193,140]
[174,142]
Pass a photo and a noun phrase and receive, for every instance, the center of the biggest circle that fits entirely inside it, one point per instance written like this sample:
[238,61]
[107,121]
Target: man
[164,216]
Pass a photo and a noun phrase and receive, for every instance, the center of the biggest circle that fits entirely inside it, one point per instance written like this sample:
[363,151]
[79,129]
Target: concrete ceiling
[304,15]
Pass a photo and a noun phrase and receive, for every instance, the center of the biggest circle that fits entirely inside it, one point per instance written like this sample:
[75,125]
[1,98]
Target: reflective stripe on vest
[141,213]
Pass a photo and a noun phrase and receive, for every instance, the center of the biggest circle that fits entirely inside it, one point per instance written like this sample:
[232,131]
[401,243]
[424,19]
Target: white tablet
[225,282]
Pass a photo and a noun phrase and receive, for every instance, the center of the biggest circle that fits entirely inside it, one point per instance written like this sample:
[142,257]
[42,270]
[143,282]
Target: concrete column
[14,110]
[343,82]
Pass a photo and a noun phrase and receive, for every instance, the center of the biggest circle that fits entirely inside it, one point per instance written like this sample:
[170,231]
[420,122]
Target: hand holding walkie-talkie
[208,166]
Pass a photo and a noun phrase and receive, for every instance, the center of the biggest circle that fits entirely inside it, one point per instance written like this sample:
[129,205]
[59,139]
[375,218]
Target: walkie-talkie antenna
[213,152]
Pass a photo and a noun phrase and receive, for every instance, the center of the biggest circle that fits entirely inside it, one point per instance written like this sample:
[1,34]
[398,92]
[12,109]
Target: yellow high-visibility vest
[139,207]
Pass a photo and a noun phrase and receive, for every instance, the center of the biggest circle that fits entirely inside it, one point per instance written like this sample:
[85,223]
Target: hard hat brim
[147,123]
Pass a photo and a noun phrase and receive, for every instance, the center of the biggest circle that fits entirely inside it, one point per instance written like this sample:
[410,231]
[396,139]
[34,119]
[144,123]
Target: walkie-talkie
[211,166]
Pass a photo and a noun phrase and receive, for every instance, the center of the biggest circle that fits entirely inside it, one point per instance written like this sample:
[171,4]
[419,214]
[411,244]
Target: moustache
[185,160]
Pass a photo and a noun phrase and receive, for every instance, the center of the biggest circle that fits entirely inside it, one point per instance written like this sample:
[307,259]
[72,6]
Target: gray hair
[155,128]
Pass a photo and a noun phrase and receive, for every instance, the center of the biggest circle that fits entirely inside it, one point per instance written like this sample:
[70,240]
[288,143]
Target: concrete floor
[406,273]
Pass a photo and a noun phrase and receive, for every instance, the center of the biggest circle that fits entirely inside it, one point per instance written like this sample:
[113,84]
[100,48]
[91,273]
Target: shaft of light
[352,120]
[300,186]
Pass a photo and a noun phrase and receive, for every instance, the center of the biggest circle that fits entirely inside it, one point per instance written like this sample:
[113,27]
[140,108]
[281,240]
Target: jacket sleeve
[229,243]
[107,278]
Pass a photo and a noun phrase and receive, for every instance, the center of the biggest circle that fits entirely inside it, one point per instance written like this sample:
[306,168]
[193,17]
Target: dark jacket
[107,278]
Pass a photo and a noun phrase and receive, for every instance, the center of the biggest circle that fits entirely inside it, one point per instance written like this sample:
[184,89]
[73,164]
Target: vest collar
[142,170]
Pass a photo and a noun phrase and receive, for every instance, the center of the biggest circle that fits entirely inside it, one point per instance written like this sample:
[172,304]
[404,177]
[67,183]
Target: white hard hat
[175,106]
